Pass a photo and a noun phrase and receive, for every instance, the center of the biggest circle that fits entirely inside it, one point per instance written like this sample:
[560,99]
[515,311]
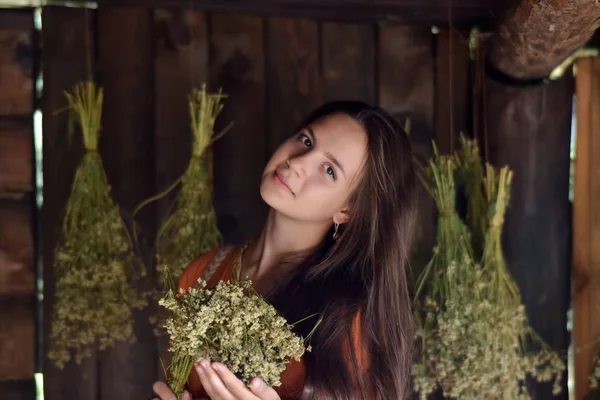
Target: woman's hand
[221,384]
[163,392]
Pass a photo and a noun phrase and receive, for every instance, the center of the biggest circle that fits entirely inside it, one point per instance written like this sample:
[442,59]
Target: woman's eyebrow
[311,133]
[336,162]
[330,156]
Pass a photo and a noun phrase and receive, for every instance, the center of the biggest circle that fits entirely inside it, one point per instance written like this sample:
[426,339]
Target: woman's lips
[280,181]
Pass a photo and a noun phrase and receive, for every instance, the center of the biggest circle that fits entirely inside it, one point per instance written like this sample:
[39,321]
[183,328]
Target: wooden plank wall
[586,223]
[17,206]
[275,72]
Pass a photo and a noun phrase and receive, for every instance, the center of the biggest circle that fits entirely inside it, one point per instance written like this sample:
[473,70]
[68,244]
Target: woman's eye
[305,140]
[330,171]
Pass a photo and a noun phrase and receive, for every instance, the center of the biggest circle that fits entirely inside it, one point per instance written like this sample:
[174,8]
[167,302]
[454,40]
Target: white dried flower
[233,325]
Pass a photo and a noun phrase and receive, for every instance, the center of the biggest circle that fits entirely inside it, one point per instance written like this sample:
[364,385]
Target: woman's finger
[262,391]
[212,383]
[232,383]
[163,391]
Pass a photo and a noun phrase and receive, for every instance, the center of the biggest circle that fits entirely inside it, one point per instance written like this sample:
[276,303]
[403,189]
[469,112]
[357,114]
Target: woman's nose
[298,164]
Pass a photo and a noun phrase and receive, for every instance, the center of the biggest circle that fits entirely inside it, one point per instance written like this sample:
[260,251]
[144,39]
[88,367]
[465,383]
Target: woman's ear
[341,217]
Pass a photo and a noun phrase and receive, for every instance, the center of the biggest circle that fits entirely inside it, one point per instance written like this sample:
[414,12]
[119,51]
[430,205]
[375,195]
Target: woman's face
[311,176]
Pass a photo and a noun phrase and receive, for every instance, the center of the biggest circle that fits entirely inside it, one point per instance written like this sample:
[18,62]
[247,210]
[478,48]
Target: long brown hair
[363,272]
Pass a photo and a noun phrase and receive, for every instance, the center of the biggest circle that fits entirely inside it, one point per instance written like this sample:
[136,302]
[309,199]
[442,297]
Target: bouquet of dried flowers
[191,229]
[94,262]
[473,333]
[231,324]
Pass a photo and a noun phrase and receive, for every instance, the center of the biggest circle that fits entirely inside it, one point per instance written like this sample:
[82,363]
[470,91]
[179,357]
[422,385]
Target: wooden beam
[16,62]
[539,35]
[464,12]
[586,223]
[529,130]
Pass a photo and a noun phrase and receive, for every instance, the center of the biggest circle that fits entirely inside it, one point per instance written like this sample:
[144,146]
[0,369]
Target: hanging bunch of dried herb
[437,295]
[231,324]
[473,332]
[191,229]
[469,171]
[594,393]
[94,266]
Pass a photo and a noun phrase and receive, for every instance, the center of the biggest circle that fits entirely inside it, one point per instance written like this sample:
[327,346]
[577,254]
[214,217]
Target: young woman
[341,193]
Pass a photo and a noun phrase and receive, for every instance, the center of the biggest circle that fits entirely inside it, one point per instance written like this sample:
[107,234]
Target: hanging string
[88,46]
[482,54]
[450,76]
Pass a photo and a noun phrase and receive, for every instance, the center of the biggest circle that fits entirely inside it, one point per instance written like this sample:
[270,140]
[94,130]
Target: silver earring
[336,235]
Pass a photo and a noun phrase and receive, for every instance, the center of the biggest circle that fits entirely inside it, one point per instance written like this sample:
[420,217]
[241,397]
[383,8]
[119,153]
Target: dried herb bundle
[594,393]
[470,175]
[231,324]
[94,264]
[473,332]
[191,229]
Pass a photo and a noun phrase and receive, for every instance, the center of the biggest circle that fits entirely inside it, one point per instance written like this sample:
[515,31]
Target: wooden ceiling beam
[463,13]
[542,34]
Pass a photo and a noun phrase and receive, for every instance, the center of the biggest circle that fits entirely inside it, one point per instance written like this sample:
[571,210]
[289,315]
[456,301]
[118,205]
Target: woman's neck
[282,238]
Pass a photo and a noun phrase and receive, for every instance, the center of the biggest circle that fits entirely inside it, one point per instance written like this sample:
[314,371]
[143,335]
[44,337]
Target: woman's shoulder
[204,266]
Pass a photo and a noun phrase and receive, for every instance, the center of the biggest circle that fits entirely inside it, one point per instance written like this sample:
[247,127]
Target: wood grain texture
[17,338]
[582,228]
[126,71]
[452,88]
[65,63]
[294,85]
[16,62]
[348,61]
[529,130]
[181,63]
[538,36]
[594,311]
[586,224]
[16,158]
[17,275]
[18,390]
[406,90]
[465,13]
[238,66]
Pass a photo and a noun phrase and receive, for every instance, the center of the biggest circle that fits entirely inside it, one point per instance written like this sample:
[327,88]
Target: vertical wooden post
[529,130]
[238,66]
[67,41]
[126,72]
[586,223]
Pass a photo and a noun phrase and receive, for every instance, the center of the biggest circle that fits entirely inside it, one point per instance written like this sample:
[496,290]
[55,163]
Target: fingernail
[216,366]
[205,364]
[257,383]
[200,369]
